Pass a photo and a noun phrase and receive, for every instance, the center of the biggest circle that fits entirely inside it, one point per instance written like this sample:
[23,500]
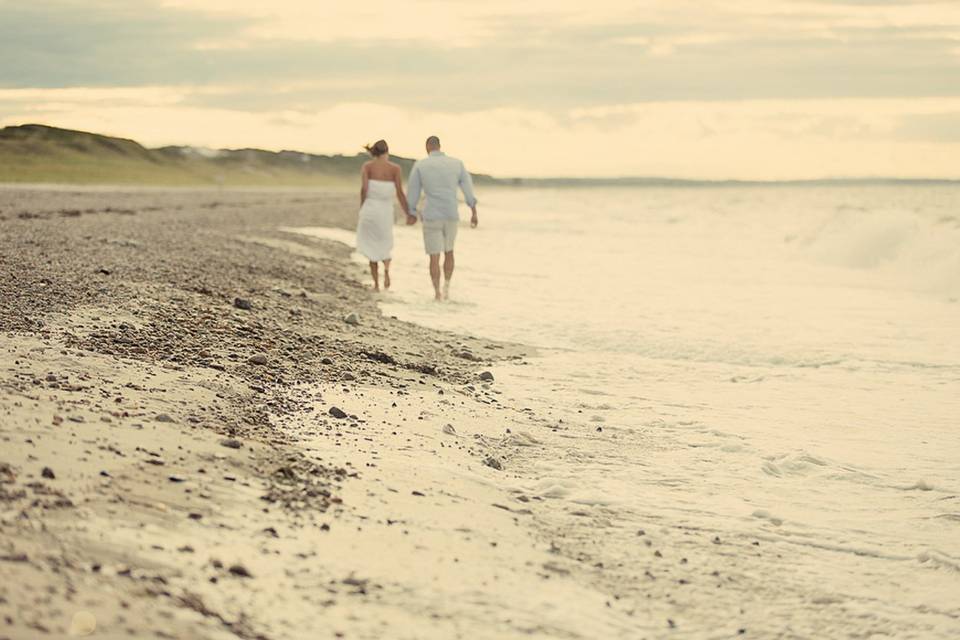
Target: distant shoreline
[35,154]
[684,182]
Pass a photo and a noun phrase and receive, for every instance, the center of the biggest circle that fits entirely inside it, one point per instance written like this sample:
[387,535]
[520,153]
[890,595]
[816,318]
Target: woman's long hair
[377,149]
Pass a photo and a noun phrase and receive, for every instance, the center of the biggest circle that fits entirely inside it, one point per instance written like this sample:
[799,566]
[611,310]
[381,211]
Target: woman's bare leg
[375,272]
[386,273]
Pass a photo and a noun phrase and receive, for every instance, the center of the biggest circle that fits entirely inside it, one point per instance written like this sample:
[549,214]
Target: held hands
[411,219]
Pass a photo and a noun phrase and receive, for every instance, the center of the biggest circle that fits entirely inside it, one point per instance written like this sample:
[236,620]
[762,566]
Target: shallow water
[779,362]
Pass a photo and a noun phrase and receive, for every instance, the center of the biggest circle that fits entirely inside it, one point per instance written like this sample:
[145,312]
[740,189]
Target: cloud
[696,80]
[512,58]
[930,127]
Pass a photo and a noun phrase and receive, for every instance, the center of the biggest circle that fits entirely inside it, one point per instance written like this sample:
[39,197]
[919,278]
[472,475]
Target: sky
[749,89]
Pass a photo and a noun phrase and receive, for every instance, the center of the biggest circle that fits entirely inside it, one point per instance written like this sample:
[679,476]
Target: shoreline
[154,343]
[172,465]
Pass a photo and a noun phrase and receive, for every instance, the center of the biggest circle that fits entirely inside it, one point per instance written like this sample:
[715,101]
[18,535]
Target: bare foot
[437,297]
[386,279]
[446,290]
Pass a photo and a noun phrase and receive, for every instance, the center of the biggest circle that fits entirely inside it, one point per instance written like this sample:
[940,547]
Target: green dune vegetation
[36,153]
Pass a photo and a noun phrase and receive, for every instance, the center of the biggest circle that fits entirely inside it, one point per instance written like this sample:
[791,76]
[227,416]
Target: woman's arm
[364,184]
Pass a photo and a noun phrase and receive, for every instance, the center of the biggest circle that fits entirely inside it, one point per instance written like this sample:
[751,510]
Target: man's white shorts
[439,236]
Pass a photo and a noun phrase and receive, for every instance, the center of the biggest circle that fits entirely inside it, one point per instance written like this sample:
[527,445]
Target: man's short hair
[433,141]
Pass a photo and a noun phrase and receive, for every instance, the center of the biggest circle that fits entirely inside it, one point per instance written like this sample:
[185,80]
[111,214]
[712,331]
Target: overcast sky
[716,89]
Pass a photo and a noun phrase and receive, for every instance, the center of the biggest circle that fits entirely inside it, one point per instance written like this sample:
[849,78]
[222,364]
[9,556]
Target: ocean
[772,363]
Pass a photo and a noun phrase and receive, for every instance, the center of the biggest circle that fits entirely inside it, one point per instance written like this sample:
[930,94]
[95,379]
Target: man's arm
[413,194]
[466,185]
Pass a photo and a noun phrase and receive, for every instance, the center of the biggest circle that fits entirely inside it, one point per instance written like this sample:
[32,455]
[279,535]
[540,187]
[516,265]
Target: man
[439,176]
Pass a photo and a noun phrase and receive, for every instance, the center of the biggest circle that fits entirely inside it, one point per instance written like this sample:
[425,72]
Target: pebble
[486,376]
[83,623]
[352,318]
[259,358]
[163,417]
[493,463]
[449,430]
[240,571]
[338,413]
[231,443]
[15,557]
[48,473]
[241,303]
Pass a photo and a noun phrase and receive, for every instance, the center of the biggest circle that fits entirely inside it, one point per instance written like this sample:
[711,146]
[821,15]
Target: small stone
[195,516]
[176,479]
[240,571]
[326,361]
[83,623]
[241,303]
[352,318]
[338,413]
[486,376]
[231,443]
[493,463]
[449,430]
[348,377]
[15,557]
[259,358]
[48,473]
[163,417]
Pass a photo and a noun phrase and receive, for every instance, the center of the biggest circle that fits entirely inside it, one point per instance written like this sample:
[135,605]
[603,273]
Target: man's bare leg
[435,274]
[374,271]
[448,264]
[386,273]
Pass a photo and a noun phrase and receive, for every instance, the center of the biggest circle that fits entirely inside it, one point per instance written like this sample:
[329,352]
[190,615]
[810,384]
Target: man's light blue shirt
[438,176]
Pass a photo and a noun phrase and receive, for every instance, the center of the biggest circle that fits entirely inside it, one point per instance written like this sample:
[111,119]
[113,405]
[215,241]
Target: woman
[381,180]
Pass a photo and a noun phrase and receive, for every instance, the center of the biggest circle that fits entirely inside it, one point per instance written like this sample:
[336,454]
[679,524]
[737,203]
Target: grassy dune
[42,154]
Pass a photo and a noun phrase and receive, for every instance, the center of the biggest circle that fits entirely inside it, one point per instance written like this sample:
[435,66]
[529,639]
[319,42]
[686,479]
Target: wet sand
[173,464]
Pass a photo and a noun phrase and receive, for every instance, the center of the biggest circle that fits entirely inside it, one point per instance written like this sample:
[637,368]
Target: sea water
[786,358]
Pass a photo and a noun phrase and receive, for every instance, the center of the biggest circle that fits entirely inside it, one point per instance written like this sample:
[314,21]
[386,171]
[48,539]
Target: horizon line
[621,180]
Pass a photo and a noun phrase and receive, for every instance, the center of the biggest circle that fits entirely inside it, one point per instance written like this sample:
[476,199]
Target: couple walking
[439,176]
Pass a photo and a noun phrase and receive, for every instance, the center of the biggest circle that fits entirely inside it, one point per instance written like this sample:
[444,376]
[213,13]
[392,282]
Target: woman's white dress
[375,226]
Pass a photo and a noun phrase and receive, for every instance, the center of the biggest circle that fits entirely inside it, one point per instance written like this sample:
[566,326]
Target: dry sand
[171,465]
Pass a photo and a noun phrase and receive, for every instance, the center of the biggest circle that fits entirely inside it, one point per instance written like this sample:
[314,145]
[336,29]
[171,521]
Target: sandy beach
[210,430]
[196,444]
